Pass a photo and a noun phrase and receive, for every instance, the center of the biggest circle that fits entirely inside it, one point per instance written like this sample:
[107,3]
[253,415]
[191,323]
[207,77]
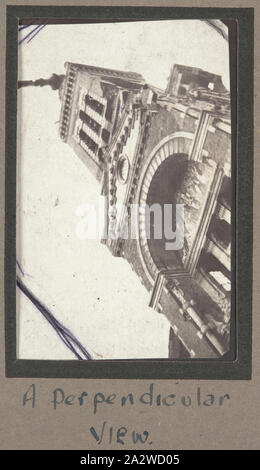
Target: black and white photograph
[124,202]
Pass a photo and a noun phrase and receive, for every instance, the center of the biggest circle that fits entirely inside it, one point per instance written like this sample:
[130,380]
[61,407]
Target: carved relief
[192,195]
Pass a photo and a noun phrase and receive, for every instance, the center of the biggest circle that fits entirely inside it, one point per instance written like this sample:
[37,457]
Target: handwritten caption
[96,402]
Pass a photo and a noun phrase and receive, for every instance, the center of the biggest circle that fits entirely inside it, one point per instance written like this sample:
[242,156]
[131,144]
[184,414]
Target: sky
[98,297]
[150,48]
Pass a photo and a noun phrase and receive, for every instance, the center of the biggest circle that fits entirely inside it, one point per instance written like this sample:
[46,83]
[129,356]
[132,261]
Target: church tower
[154,149]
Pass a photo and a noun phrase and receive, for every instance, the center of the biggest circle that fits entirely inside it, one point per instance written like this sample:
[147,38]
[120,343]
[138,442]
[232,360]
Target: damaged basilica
[150,146]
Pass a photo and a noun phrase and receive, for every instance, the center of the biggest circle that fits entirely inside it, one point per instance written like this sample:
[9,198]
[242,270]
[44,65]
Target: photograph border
[242,218]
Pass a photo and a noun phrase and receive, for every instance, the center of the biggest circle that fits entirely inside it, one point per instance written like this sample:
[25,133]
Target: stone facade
[147,147]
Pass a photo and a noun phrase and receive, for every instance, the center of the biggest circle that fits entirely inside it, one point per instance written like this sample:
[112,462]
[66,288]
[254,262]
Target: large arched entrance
[160,181]
[160,217]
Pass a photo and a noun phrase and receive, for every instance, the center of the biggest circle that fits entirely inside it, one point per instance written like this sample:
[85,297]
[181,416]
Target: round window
[123,168]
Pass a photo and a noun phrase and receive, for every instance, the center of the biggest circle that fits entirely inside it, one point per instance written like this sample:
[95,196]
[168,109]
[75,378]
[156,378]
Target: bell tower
[153,148]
